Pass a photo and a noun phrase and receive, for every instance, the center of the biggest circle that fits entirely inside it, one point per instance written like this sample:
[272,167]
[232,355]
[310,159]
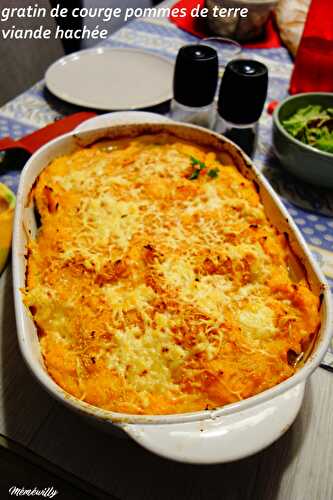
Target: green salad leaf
[313,125]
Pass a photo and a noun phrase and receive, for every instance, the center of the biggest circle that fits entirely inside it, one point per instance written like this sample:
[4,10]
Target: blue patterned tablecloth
[312,208]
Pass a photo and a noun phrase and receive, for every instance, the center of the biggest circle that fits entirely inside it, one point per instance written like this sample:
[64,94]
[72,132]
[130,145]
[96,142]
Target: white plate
[120,118]
[111,78]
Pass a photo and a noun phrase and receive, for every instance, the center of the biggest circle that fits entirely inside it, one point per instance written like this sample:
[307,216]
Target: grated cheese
[154,293]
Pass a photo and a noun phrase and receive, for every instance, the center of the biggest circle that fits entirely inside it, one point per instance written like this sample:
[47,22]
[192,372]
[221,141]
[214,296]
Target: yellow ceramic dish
[7,205]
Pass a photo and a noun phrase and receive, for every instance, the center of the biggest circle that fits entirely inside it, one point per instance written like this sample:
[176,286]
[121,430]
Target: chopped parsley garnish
[195,162]
[213,173]
[312,125]
[194,175]
[200,166]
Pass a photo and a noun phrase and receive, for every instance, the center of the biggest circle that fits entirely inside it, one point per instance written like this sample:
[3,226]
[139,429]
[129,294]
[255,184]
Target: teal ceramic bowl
[303,161]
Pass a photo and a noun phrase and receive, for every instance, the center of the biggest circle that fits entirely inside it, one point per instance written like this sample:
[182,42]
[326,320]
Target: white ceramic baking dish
[214,436]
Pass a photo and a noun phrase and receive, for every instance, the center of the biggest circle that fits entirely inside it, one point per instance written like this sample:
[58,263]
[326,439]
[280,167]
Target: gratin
[158,284]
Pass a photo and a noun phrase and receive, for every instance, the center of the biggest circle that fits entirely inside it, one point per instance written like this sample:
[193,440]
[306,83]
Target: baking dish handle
[223,439]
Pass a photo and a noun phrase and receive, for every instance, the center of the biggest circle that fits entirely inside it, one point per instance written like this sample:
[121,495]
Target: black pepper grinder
[194,85]
[242,97]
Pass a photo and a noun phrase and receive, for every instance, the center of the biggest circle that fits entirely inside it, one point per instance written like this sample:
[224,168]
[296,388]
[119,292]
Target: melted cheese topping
[154,292]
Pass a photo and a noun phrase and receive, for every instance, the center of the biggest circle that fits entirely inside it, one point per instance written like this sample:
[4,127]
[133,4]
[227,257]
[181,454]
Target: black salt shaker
[194,85]
[242,97]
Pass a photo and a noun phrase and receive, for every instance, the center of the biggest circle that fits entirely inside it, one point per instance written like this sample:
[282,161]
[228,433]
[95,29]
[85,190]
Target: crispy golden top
[157,283]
